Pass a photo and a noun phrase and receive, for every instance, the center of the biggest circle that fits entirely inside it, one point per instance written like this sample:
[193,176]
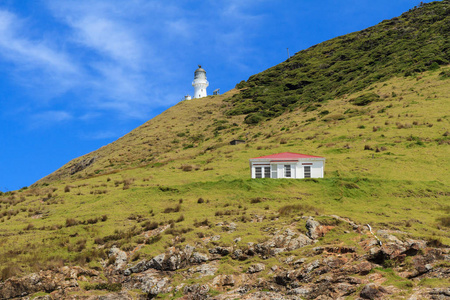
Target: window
[258,173]
[307,171]
[274,171]
[287,171]
[266,172]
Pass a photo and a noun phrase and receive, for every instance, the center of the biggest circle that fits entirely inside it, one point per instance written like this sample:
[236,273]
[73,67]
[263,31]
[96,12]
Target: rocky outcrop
[45,281]
[83,164]
[319,271]
[172,260]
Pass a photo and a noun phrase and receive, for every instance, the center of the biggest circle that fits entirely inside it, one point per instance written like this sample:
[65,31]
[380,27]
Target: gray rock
[312,226]
[220,250]
[372,291]
[198,258]
[255,268]
[204,270]
[121,257]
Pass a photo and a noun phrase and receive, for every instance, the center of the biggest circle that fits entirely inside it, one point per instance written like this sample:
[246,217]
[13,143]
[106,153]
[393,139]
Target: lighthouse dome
[200,69]
[200,72]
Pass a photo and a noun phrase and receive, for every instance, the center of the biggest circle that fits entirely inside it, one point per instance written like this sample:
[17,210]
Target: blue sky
[77,75]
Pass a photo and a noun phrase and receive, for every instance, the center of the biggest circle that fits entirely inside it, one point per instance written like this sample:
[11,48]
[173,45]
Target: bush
[255,200]
[205,222]
[365,99]
[444,221]
[150,225]
[10,271]
[187,168]
[253,118]
[295,208]
[71,222]
[172,209]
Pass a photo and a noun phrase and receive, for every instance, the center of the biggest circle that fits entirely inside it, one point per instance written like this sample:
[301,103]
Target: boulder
[256,268]
[372,291]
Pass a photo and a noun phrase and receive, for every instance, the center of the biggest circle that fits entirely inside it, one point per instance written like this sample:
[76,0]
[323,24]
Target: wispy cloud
[49,118]
[48,65]
[29,53]
[124,58]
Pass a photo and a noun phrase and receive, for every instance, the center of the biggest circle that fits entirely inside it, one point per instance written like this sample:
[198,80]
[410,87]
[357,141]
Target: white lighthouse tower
[200,83]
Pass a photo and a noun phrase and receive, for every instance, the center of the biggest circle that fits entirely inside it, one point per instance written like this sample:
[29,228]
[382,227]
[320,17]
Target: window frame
[306,171]
[287,171]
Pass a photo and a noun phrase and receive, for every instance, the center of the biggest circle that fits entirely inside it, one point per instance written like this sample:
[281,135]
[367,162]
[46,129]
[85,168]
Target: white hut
[287,165]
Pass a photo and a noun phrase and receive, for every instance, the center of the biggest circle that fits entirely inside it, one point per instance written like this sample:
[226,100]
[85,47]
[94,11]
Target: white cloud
[100,135]
[125,58]
[48,118]
[28,53]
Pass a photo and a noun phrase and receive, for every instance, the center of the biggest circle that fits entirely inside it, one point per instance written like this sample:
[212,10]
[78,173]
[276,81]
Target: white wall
[297,169]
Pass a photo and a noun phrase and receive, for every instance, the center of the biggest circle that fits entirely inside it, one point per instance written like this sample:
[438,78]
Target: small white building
[287,165]
[200,83]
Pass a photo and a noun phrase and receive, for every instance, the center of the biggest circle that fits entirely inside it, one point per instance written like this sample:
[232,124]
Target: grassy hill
[385,139]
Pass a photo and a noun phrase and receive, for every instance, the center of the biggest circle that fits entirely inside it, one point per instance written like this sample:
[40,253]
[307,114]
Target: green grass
[386,165]
[404,46]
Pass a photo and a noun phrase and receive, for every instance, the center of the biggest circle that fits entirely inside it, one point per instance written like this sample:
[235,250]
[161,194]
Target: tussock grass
[388,189]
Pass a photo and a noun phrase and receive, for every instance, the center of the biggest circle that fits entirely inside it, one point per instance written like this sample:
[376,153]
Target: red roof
[286,156]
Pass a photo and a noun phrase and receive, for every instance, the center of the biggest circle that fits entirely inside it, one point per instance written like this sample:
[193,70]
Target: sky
[77,75]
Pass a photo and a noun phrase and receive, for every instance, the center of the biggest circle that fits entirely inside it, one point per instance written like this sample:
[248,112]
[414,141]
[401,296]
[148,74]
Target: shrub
[365,99]
[187,168]
[150,225]
[200,200]
[444,221]
[253,118]
[29,227]
[71,222]
[10,271]
[172,209]
[92,221]
[289,209]
[205,222]
[255,200]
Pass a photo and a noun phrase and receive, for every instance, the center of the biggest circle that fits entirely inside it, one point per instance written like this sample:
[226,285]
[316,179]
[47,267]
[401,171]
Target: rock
[198,258]
[196,291]
[281,242]
[255,268]
[121,257]
[150,282]
[170,261]
[220,250]
[313,228]
[215,238]
[80,166]
[44,281]
[372,291]
[232,227]
[204,270]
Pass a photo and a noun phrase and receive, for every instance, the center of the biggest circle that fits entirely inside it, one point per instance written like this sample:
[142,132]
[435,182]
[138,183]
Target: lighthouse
[200,83]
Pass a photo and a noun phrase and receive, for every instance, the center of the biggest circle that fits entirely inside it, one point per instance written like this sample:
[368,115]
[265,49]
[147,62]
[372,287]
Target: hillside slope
[416,41]
[169,210]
